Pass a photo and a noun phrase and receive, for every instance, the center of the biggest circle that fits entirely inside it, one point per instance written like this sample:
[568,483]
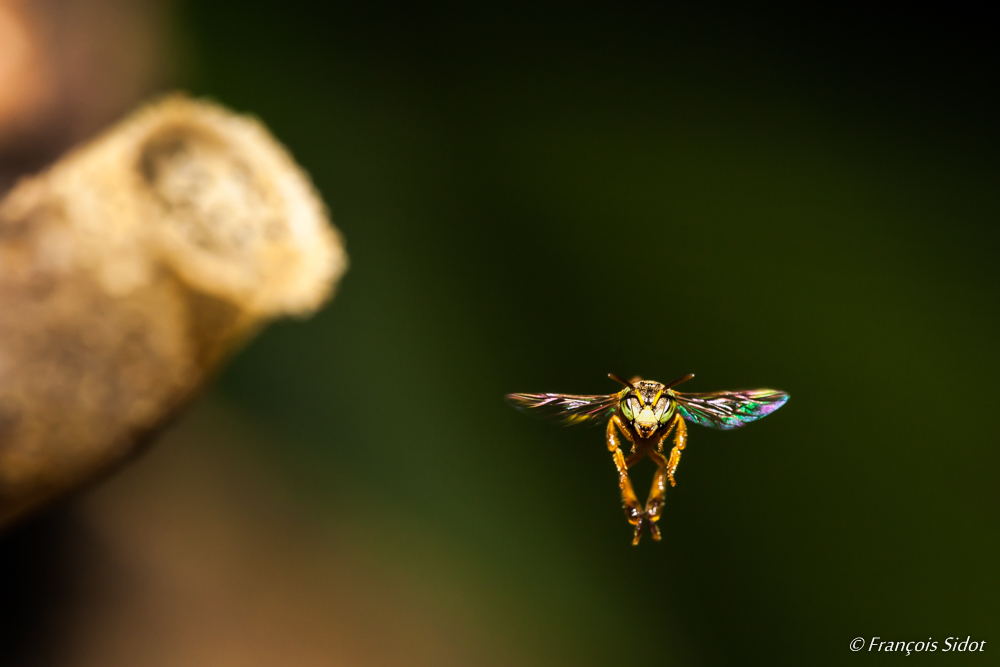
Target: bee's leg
[665,435]
[633,510]
[634,458]
[680,440]
[654,503]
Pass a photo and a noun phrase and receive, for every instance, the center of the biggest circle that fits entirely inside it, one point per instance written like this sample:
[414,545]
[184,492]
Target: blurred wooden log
[128,271]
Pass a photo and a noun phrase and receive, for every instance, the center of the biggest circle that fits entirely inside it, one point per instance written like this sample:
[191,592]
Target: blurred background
[531,199]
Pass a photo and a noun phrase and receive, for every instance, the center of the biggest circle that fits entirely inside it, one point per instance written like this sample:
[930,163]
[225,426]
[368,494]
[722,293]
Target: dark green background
[532,199]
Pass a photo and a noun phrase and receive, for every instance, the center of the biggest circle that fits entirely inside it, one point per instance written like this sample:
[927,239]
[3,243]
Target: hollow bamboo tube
[128,271]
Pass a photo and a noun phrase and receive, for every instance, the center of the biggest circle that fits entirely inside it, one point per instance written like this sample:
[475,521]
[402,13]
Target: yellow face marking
[646,422]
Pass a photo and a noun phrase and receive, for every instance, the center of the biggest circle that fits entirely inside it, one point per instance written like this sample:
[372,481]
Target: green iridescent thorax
[648,407]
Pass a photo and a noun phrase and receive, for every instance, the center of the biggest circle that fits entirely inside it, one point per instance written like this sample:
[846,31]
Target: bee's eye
[627,409]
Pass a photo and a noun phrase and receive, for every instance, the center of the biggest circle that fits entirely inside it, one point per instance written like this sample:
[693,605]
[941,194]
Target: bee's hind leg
[665,469]
[633,509]
[654,503]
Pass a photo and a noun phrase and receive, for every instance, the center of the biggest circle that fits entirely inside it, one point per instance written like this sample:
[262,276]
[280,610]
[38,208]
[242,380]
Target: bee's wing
[727,410]
[567,408]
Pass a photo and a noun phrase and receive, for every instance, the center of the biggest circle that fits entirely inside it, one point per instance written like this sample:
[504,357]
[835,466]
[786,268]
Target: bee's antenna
[680,380]
[630,386]
[624,382]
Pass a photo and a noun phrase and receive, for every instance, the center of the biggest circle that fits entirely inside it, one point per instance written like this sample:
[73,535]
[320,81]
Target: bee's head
[647,405]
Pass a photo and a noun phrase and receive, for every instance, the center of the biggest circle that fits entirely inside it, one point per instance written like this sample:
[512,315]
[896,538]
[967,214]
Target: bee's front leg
[633,510]
[680,441]
[666,434]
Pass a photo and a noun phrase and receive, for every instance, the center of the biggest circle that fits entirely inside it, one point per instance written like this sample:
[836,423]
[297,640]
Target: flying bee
[646,413]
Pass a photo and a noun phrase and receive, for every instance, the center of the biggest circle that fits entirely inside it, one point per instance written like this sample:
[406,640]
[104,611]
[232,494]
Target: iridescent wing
[726,410]
[567,408]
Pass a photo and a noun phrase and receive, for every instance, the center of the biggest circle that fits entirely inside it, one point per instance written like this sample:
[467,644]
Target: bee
[646,413]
